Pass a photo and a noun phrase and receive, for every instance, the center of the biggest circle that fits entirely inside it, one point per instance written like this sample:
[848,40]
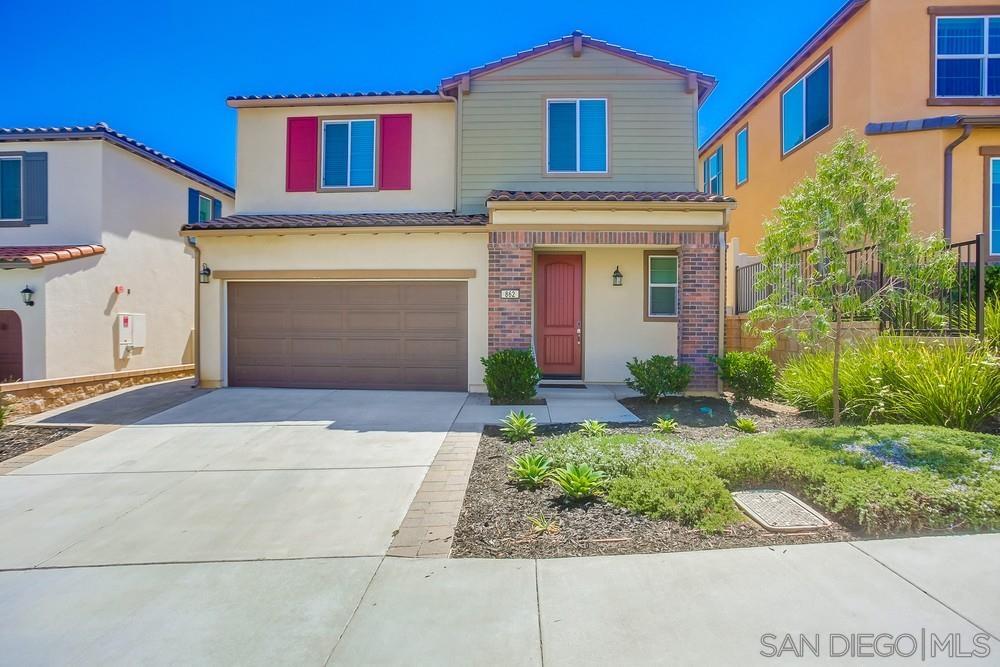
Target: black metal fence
[962,305]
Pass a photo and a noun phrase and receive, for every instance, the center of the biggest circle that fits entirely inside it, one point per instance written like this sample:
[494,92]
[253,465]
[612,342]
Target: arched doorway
[11,351]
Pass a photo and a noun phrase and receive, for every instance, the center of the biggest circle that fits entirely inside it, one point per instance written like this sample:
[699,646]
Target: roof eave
[584,205]
[335,101]
[312,231]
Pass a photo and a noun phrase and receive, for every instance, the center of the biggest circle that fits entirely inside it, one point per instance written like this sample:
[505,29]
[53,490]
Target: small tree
[849,205]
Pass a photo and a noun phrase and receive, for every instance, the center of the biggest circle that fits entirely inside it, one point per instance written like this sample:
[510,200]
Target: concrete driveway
[238,474]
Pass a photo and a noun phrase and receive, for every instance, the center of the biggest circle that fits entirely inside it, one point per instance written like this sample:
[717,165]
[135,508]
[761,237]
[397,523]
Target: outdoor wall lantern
[26,295]
[205,274]
[616,278]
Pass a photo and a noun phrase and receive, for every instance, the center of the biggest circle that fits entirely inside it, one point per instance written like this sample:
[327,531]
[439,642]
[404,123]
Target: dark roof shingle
[318,220]
[306,96]
[676,197]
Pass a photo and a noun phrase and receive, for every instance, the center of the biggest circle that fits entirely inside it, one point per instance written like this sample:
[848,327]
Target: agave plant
[518,426]
[530,470]
[580,482]
[593,428]
[663,425]
[745,424]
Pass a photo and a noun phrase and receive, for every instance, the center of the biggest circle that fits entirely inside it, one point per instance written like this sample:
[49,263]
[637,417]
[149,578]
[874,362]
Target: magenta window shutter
[395,151]
[301,159]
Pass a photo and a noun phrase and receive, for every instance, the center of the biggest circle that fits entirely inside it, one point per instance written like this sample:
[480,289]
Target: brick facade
[511,263]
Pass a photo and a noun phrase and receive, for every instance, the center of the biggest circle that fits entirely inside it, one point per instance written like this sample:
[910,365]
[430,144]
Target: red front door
[559,318]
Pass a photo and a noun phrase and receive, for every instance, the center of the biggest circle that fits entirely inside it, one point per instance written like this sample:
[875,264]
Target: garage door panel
[369,335]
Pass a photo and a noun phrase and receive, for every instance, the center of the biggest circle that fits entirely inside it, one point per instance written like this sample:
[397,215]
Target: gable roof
[578,40]
[804,53]
[102,131]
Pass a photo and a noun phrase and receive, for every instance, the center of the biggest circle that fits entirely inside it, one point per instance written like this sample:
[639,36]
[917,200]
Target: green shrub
[900,380]
[745,425]
[991,322]
[511,376]
[542,525]
[662,425]
[658,376]
[579,481]
[518,426]
[614,455]
[530,470]
[748,374]
[682,492]
[593,428]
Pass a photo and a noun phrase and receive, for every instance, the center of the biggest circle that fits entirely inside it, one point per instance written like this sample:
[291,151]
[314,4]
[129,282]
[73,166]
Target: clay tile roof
[31,257]
[102,131]
[677,197]
[307,96]
[305,221]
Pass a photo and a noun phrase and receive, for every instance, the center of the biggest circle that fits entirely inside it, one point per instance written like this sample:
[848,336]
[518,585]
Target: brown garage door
[349,335]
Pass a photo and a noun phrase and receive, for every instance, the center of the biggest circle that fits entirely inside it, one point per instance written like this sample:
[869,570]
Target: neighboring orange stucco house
[919,78]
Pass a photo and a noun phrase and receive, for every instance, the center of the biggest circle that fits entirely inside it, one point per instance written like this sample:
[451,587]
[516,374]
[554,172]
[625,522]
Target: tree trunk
[836,370]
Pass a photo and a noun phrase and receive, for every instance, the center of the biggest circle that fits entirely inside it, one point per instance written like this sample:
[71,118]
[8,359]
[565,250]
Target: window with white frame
[713,172]
[805,107]
[742,156]
[204,208]
[348,153]
[576,136]
[994,194]
[11,188]
[661,277]
[967,56]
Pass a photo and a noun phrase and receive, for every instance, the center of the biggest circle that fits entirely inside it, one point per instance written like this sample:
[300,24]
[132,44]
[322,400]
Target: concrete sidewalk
[685,608]
[562,406]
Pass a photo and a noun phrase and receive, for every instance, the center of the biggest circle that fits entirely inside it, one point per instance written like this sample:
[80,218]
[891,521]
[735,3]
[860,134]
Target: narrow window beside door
[994,235]
[661,272]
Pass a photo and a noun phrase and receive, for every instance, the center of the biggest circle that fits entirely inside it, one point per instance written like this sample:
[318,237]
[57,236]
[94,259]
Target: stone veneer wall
[511,263]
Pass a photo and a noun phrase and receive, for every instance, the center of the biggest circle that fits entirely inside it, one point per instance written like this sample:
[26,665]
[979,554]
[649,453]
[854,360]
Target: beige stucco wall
[385,250]
[614,330]
[261,153]
[102,194]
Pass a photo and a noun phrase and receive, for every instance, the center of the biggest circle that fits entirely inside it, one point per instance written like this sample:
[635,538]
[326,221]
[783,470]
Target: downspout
[196,344]
[949,169]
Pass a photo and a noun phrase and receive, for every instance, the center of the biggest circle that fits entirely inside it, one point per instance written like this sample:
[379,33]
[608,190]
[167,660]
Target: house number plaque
[510,294]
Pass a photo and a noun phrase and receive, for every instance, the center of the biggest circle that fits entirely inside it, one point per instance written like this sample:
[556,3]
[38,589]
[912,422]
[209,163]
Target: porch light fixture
[205,274]
[616,278]
[26,295]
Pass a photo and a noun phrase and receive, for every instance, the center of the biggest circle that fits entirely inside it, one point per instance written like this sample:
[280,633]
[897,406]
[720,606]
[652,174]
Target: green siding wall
[652,140]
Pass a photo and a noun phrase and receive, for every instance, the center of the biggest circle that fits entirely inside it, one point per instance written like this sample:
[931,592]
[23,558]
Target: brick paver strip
[429,525]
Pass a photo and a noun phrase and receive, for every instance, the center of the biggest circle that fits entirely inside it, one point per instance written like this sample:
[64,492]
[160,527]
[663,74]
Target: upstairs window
[577,136]
[348,153]
[967,56]
[11,188]
[713,172]
[805,107]
[204,208]
[742,156]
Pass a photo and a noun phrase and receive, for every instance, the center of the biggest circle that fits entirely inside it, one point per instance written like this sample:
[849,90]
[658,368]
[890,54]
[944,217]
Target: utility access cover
[779,512]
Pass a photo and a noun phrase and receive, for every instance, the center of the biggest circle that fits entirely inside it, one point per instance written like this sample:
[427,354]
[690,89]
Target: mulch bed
[494,519]
[16,440]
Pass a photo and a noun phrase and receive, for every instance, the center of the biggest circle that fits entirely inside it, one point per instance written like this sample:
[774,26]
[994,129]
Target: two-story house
[918,78]
[545,201]
[94,279]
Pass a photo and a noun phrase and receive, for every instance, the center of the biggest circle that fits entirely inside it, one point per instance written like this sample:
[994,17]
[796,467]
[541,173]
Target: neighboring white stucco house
[88,224]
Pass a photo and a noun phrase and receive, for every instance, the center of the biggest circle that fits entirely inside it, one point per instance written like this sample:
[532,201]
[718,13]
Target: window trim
[936,13]
[990,154]
[321,149]
[722,172]
[816,64]
[607,138]
[648,257]
[203,197]
[736,155]
[20,158]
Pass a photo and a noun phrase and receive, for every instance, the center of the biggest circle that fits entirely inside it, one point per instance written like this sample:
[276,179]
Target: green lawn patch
[881,479]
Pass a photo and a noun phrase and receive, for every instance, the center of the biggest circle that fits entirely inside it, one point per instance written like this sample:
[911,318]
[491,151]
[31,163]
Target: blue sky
[160,71]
